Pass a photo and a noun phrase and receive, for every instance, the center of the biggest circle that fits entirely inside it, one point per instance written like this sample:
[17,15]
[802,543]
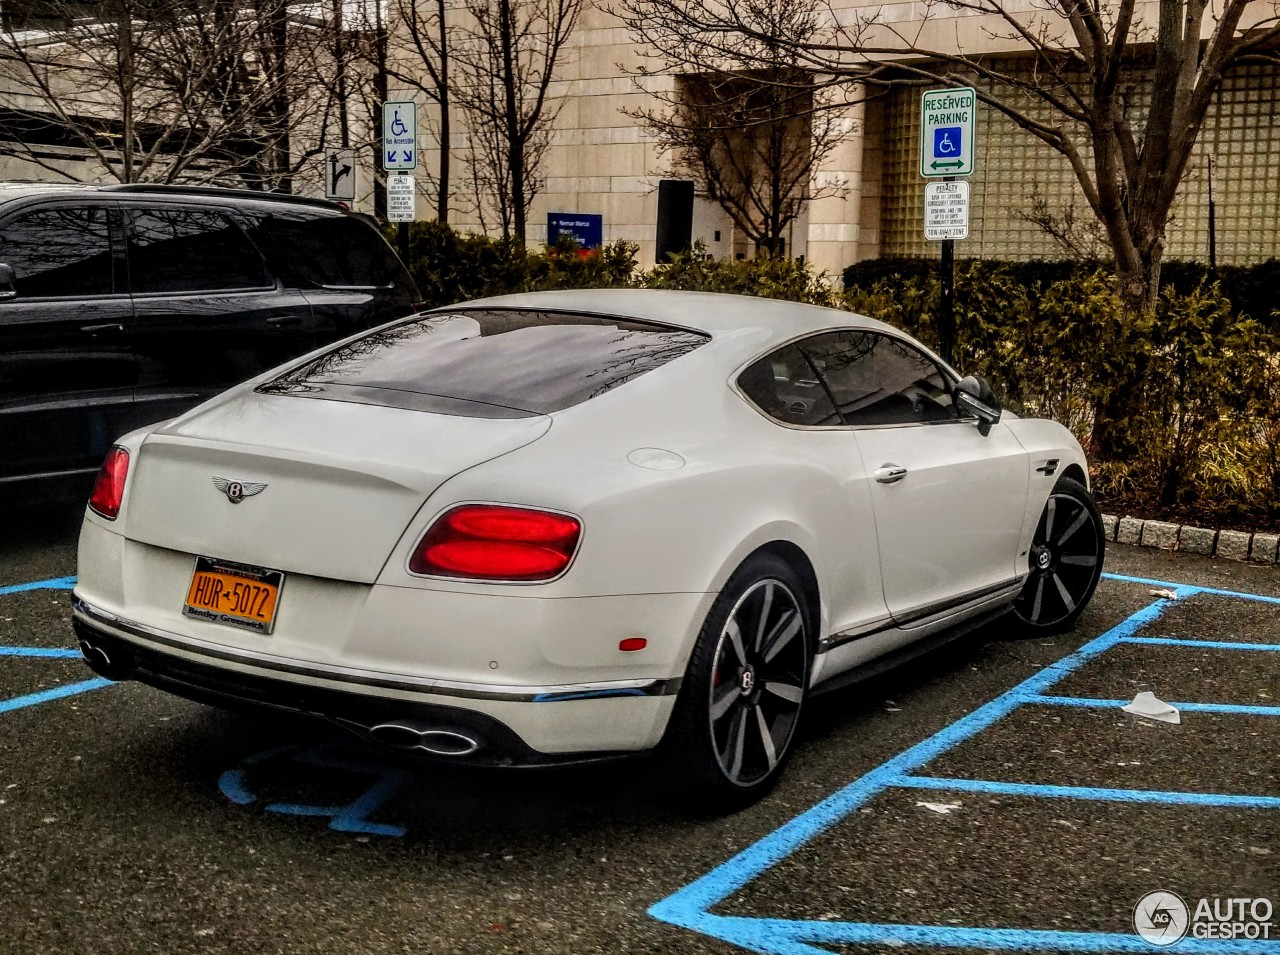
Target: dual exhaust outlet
[437,742]
[397,735]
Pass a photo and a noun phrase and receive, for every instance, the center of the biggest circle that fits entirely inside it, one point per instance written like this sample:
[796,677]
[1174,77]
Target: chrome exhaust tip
[102,662]
[435,741]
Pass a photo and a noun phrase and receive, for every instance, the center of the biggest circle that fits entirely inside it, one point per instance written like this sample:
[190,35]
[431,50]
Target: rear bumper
[479,724]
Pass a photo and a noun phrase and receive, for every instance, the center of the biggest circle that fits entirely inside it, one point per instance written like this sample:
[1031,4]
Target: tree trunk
[442,180]
[340,73]
[515,142]
[1114,425]
[126,94]
[381,89]
[280,105]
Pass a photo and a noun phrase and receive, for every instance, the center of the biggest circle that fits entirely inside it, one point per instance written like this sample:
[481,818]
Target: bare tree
[506,54]
[1119,88]
[360,81]
[156,90]
[1125,93]
[755,139]
[1080,239]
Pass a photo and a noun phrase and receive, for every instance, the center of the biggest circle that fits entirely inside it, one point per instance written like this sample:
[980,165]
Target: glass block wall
[1241,134]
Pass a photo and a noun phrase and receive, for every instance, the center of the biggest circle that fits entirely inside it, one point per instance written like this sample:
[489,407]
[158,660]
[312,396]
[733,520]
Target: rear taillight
[497,542]
[108,490]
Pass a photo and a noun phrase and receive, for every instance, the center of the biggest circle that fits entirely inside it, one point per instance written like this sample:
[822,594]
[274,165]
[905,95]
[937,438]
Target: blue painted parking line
[1211,644]
[54,653]
[1237,709]
[57,653]
[55,583]
[1190,590]
[782,937]
[690,907]
[56,693]
[1089,792]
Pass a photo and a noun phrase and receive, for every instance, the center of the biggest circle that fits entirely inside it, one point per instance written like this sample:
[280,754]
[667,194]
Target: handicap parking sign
[947,142]
[946,132]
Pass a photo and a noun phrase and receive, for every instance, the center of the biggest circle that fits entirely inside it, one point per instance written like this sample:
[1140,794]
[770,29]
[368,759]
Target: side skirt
[896,658]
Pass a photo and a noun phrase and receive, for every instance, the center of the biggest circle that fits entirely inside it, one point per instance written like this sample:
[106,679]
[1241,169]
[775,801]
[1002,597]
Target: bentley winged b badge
[237,491]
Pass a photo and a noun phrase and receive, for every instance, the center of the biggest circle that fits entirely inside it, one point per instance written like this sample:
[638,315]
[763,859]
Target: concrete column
[834,222]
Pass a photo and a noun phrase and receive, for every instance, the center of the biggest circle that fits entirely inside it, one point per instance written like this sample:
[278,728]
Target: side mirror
[8,283]
[974,396]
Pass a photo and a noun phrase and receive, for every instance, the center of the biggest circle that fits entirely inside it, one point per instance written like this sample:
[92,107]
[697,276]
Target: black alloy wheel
[1065,560]
[747,681]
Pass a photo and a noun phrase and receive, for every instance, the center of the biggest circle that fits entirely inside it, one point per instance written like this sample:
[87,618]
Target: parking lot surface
[992,796]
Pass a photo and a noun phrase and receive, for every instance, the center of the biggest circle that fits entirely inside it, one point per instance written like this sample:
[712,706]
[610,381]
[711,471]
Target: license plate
[234,594]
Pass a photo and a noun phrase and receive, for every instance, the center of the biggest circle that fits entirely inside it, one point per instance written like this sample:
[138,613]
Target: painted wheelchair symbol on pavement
[335,754]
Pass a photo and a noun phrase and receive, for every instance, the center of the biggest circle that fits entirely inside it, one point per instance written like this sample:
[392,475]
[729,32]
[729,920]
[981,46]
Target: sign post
[947,150]
[400,155]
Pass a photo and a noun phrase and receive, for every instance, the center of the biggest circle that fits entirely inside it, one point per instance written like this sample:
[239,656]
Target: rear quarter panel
[744,483]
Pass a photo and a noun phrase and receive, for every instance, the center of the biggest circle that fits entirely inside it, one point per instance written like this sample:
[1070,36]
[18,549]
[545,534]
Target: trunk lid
[342,480]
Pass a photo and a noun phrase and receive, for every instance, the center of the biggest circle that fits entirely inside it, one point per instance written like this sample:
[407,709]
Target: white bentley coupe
[562,526]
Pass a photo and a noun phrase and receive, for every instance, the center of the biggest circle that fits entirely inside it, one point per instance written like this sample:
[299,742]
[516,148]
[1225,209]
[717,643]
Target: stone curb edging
[1225,545]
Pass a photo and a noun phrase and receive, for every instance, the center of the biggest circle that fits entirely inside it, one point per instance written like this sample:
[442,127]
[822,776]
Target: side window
[784,386]
[59,252]
[338,250]
[191,250]
[876,379]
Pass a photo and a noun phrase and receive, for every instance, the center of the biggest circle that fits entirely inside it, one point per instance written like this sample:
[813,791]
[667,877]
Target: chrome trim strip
[141,633]
[921,617]
[833,640]
[921,614]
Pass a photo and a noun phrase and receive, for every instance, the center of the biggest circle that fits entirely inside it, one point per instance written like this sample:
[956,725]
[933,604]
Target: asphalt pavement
[959,805]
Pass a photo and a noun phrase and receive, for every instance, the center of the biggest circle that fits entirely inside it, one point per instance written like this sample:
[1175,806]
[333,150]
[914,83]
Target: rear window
[334,250]
[496,363]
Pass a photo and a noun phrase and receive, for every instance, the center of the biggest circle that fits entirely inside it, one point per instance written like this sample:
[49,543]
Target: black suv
[122,305]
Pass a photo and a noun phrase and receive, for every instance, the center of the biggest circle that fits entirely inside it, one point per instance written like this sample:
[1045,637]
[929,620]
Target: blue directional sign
[399,135]
[946,132]
[585,228]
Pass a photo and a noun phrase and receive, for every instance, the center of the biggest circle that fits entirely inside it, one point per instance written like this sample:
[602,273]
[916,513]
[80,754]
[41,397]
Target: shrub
[764,276]
[451,266]
[1206,422]
[1249,288]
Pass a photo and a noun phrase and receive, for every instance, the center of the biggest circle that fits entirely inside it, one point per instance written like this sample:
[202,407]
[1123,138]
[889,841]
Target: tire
[1065,559]
[735,718]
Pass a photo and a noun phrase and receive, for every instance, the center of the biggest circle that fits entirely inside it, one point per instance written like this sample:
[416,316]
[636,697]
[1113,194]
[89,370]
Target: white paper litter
[1146,705]
[945,808]
[1166,594]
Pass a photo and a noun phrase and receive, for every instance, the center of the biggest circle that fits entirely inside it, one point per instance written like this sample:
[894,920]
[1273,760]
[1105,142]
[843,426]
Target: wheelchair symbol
[947,141]
[336,755]
[398,128]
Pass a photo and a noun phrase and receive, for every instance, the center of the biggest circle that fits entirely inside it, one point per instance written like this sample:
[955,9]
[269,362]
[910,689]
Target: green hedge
[1251,289]
[1205,422]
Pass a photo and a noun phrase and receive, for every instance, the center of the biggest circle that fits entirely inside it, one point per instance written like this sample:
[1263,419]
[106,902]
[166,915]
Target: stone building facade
[603,162]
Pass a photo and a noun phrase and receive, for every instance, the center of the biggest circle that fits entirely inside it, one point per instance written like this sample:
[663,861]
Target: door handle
[890,474]
[108,327]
